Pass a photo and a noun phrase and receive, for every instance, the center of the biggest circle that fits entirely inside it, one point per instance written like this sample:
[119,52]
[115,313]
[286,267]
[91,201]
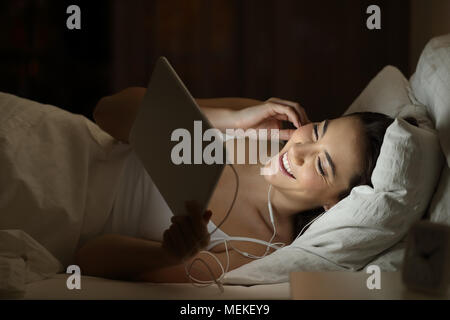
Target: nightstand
[352,286]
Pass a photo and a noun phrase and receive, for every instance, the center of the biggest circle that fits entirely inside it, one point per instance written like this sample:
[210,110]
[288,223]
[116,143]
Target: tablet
[169,129]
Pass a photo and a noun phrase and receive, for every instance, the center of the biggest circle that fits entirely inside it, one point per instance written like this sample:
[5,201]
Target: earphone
[268,245]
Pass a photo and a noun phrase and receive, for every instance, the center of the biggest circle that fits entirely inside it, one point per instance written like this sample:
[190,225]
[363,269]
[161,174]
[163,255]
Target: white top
[139,209]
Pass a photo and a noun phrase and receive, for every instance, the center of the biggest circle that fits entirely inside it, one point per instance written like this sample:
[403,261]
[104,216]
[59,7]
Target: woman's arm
[222,111]
[227,102]
[115,256]
[115,114]
[199,271]
[121,257]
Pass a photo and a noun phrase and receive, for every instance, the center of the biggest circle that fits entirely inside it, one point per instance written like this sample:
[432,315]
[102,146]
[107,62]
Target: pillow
[386,93]
[431,87]
[370,221]
[390,93]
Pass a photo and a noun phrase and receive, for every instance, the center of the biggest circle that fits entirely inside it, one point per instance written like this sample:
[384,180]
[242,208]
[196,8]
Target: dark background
[318,53]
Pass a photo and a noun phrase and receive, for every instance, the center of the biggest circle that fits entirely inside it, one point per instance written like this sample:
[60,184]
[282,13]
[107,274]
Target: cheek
[309,179]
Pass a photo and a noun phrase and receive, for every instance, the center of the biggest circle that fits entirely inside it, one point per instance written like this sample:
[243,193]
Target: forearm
[116,114]
[207,270]
[121,257]
[222,112]
[234,103]
[220,118]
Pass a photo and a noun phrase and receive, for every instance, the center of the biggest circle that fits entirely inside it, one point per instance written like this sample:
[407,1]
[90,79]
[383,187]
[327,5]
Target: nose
[301,152]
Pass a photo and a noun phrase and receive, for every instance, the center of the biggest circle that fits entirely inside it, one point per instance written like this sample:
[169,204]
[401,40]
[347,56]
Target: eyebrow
[324,128]
[327,155]
[330,162]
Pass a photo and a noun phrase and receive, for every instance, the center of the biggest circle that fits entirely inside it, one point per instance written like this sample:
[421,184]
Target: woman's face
[318,162]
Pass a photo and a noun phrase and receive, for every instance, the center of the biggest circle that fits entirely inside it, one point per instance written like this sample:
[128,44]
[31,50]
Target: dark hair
[374,127]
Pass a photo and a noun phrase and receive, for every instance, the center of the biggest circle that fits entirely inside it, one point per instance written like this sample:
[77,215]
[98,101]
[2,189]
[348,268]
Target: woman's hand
[188,234]
[270,114]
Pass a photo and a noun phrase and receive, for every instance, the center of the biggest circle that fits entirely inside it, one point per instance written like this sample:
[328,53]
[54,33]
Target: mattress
[93,288]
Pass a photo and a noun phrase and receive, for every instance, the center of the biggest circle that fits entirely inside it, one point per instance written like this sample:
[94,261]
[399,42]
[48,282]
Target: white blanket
[59,172]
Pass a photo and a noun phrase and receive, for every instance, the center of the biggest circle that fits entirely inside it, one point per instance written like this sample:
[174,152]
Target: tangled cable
[218,281]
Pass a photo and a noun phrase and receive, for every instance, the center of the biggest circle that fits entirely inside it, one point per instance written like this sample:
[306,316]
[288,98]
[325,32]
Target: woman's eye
[319,164]
[316,133]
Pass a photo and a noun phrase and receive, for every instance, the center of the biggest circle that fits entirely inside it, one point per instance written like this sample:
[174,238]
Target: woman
[319,165]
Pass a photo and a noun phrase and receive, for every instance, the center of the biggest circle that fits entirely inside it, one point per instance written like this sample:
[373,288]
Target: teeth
[286,164]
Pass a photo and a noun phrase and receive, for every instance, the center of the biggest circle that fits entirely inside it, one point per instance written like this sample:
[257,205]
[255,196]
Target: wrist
[169,258]
[234,119]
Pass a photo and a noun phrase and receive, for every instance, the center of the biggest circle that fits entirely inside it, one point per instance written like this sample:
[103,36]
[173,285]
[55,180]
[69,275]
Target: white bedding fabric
[23,260]
[367,222]
[98,288]
[59,173]
[431,87]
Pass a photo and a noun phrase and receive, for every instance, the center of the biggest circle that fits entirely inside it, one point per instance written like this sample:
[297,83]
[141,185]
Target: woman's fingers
[286,134]
[173,241]
[194,210]
[278,110]
[298,108]
[168,243]
[187,234]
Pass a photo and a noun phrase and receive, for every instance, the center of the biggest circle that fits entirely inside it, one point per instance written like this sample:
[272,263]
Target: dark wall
[42,60]
[318,53]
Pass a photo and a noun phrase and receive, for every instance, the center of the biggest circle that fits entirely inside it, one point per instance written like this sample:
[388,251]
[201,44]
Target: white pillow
[386,93]
[369,221]
[390,93]
[431,86]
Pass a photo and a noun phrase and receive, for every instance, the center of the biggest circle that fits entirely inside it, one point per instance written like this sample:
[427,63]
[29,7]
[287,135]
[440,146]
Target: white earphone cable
[217,281]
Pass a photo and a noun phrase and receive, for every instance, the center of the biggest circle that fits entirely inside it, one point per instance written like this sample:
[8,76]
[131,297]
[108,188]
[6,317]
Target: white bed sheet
[93,288]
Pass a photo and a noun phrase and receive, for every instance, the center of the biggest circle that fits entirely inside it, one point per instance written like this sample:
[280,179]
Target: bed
[99,288]
[31,271]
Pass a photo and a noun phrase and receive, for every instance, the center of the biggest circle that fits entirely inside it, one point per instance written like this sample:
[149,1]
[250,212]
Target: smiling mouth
[284,165]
